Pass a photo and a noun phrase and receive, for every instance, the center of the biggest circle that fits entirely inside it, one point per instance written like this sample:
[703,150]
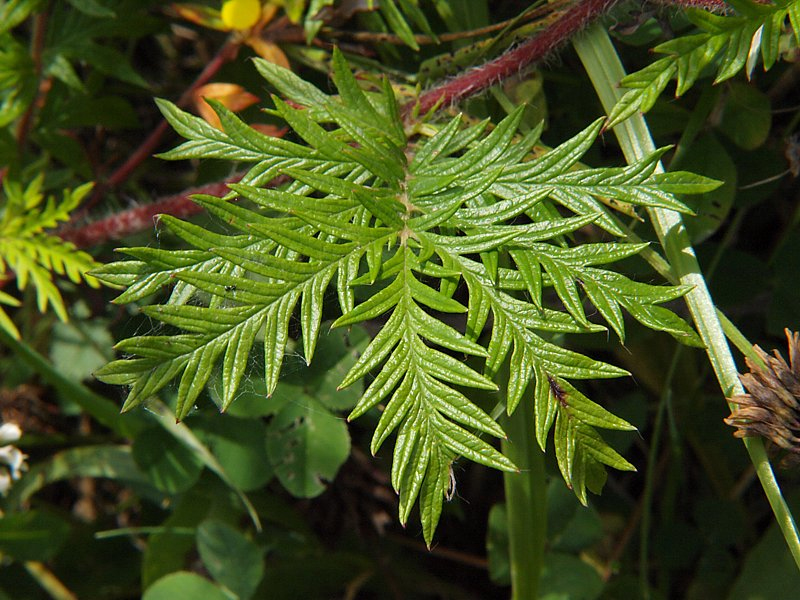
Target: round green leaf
[231,558]
[336,352]
[306,446]
[566,576]
[571,526]
[183,586]
[252,400]
[77,348]
[32,535]
[746,117]
[167,551]
[768,572]
[238,444]
[708,157]
[497,545]
[170,465]
[784,306]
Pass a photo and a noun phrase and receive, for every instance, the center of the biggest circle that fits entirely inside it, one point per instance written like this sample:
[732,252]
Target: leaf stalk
[605,69]
[526,503]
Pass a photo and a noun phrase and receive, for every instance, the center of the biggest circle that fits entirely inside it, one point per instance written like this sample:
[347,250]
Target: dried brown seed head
[771,408]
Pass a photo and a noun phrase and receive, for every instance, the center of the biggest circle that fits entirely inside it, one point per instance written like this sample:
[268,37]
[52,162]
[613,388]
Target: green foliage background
[419,280]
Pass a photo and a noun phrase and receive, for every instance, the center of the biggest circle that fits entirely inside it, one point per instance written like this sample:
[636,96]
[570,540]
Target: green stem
[134,531]
[166,418]
[526,503]
[48,581]
[605,70]
[649,477]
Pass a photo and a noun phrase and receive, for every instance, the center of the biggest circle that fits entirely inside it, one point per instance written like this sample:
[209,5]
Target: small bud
[15,459]
[9,432]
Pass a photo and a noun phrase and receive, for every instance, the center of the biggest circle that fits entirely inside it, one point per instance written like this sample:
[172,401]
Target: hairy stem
[469,83]
[117,226]
[140,218]
[572,20]
[711,5]
[605,70]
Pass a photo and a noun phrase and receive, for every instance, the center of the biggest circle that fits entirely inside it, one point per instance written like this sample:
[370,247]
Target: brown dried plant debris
[771,408]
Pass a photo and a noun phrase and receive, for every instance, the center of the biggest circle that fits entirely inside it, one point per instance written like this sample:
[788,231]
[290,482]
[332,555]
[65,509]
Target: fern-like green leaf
[33,255]
[451,242]
[729,42]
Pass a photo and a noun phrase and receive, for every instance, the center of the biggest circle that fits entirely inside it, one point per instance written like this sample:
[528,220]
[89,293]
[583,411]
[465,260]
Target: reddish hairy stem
[135,220]
[138,219]
[472,82]
[149,145]
[710,5]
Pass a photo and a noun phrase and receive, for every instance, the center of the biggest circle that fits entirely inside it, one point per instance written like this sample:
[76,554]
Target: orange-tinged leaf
[268,51]
[234,97]
[270,130]
[268,11]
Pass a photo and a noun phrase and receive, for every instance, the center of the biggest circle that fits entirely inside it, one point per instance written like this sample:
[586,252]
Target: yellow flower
[241,14]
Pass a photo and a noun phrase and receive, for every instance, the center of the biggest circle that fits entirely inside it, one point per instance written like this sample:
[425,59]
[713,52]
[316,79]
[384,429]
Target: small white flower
[5,482]
[9,432]
[15,460]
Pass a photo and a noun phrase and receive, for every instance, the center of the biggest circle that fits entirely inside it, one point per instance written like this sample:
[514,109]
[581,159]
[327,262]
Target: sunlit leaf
[451,249]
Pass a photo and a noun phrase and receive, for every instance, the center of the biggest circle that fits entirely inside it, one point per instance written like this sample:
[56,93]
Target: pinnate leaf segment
[411,231]
[728,42]
[33,255]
